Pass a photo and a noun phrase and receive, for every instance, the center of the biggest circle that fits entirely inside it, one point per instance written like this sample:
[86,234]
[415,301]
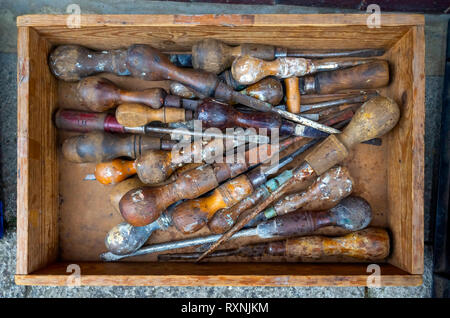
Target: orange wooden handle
[114,171]
[292,95]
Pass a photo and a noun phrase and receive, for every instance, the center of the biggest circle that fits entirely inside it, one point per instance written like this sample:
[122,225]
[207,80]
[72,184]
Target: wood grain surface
[54,223]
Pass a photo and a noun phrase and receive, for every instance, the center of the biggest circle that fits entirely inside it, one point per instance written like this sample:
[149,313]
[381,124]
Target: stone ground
[435,35]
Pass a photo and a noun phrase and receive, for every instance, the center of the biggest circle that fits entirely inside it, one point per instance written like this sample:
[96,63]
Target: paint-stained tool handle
[371,244]
[90,122]
[99,147]
[220,115]
[247,70]
[85,122]
[100,94]
[326,191]
[73,62]
[352,214]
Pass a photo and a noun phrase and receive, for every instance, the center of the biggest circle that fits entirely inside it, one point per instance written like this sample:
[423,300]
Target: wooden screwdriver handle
[156,166]
[247,70]
[73,62]
[220,115]
[192,215]
[366,76]
[121,188]
[143,205]
[100,94]
[114,171]
[326,191]
[269,90]
[371,244]
[136,115]
[352,213]
[215,56]
[99,147]
[374,118]
[292,95]
[181,90]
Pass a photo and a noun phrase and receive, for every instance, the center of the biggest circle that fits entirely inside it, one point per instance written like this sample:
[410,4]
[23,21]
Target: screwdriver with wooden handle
[155,166]
[89,122]
[326,191]
[352,214]
[269,90]
[98,146]
[125,238]
[329,188]
[191,215]
[145,62]
[100,94]
[219,115]
[214,56]
[247,70]
[371,244]
[374,118]
[73,62]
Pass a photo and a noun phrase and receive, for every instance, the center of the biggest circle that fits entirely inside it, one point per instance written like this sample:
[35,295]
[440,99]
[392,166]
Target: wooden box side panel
[179,32]
[37,166]
[219,274]
[406,152]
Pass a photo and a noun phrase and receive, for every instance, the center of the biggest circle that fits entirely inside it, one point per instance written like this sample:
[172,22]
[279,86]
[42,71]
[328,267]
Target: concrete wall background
[435,35]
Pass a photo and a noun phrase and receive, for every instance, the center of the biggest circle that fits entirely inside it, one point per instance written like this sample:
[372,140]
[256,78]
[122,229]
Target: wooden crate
[61,220]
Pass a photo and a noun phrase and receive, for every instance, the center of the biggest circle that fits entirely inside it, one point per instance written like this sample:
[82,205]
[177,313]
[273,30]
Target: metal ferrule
[281,52]
[309,85]
[135,130]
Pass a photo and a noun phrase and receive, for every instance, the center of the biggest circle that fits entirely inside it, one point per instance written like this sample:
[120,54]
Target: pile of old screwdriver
[287,117]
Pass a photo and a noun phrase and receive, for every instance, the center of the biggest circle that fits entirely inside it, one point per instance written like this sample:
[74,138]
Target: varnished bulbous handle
[373,119]
[73,62]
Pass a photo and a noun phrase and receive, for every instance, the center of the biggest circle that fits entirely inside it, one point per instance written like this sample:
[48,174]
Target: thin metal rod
[188,256]
[177,244]
[332,64]
[266,107]
[312,55]
[177,131]
[351,100]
